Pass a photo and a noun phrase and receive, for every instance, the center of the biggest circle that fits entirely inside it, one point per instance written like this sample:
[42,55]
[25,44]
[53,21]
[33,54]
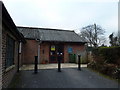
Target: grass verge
[104,75]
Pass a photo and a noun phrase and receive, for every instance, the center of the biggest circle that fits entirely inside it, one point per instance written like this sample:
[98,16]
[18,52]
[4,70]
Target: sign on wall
[70,50]
[53,48]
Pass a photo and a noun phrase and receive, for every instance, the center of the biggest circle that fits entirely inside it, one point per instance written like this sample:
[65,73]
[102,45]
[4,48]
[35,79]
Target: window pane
[10,52]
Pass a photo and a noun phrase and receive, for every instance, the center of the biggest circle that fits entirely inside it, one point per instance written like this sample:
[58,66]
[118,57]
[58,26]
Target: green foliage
[113,40]
[109,54]
[107,61]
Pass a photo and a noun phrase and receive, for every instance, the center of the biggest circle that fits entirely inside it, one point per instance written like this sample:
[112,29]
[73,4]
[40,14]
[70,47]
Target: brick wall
[44,52]
[0,52]
[0,46]
[0,59]
[8,74]
[75,47]
[30,50]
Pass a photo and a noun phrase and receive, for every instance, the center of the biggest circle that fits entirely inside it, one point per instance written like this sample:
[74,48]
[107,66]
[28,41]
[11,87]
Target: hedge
[106,60]
[109,54]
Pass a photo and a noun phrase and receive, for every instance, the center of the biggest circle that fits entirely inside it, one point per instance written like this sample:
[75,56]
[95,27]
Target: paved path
[68,78]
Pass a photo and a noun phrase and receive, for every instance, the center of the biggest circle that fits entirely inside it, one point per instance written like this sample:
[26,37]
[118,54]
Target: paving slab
[68,78]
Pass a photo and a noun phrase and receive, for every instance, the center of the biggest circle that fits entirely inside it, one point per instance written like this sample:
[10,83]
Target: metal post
[59,65]
[79,62]
[36,62]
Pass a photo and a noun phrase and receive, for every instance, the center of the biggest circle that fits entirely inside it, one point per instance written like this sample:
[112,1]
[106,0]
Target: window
[10,45]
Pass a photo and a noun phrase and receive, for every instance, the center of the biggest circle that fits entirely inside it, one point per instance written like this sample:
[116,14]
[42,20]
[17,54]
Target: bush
[107,61]
[109,54]
[92,65]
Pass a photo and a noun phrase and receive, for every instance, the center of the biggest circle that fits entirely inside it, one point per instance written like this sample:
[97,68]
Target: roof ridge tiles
[45,28]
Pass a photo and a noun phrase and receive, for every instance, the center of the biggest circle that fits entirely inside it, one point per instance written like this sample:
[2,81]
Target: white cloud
[111,25]
[65,14]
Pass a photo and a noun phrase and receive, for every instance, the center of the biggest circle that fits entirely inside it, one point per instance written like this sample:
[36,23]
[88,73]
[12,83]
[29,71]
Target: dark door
[56,53]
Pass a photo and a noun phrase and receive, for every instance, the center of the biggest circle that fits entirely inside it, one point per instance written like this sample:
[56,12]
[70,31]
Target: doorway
[56,53]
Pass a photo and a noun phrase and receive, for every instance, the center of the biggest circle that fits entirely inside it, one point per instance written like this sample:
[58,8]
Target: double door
[56,53]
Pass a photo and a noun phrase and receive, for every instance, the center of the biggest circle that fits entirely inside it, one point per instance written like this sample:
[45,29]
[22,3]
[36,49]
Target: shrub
[107,61]
[92,65]
[108,54]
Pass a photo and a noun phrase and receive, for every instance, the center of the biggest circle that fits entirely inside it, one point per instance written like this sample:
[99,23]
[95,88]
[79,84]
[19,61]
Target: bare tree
[94,34]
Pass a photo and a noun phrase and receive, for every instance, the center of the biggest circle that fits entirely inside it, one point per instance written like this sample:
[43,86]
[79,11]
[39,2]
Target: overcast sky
[64,14]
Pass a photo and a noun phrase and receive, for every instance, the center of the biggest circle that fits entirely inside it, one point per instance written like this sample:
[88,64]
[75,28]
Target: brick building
[0,46]
[50,44]
[11,38]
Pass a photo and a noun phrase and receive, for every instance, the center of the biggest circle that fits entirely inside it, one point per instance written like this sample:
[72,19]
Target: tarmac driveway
[68,78]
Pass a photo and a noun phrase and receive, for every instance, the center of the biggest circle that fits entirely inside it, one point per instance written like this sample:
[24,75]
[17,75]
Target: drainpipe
[19,52]
[38,53]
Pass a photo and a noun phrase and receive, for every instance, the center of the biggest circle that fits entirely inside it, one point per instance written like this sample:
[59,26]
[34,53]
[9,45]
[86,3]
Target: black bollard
[59,65]
[36,62]
[79,62]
